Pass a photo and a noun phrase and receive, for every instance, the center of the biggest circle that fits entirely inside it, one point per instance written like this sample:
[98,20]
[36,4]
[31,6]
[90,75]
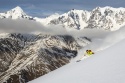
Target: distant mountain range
[106,18]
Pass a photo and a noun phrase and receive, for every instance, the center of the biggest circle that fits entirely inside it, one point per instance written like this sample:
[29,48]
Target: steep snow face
[15,13]
[106,66]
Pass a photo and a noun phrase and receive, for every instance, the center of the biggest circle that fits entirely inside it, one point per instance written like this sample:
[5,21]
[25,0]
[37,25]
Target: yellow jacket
[89,53]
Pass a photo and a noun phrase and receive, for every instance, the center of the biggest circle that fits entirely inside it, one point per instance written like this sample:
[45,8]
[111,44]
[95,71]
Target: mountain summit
[15,13]
[17,10]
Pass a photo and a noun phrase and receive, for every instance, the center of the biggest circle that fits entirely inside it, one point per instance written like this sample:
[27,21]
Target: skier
[86,54]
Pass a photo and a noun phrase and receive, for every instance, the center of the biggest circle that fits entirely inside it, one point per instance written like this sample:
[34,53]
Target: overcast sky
[42,8]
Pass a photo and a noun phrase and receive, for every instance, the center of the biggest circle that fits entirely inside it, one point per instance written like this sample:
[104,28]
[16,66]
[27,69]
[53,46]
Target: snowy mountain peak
[15,13]
[17,10]
[74,19]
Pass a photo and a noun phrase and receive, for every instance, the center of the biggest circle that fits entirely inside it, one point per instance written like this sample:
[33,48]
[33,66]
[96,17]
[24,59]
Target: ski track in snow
[99,44]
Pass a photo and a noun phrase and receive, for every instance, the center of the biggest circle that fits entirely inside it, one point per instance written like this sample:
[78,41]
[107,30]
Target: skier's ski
[82,58]
[78,60]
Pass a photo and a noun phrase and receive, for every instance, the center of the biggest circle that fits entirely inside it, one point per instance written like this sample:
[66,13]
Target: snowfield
[105,66]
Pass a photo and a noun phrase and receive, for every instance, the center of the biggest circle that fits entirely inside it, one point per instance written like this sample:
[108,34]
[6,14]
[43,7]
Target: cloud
[26,26]
[8,25]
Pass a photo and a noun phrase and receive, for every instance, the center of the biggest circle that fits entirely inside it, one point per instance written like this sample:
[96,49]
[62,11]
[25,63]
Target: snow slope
[105,66]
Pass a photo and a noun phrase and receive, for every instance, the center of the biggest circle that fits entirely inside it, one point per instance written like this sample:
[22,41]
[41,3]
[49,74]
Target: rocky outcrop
[24,57]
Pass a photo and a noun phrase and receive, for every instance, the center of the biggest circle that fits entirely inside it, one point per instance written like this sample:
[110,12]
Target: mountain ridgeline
[106,18]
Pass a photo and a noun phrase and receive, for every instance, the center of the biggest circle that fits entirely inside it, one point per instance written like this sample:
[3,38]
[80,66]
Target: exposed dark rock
[24,57]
